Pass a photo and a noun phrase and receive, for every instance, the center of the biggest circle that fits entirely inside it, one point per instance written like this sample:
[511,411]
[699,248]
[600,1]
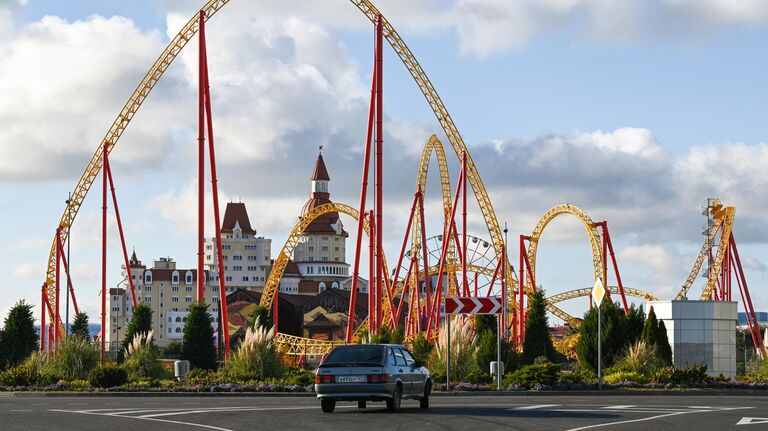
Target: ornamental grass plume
[463,346]
[141,358]
[256,358]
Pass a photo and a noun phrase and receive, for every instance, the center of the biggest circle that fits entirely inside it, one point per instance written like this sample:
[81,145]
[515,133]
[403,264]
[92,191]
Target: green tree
[198,348]
[421,347]
[79,326]
[486,322]
[650,330]
[141,322]
[634,324]
[174,350]
[18,338]
[537,340]
[261,316]
[613,336]
[664,350]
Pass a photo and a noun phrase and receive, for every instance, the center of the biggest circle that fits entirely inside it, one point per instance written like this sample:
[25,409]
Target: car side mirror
[417,364]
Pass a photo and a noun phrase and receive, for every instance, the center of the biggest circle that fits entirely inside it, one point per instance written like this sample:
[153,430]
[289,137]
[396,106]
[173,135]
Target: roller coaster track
[581,293]
[170,53]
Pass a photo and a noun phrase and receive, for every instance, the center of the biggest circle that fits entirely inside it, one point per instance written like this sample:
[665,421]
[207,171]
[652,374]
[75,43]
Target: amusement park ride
[459,264]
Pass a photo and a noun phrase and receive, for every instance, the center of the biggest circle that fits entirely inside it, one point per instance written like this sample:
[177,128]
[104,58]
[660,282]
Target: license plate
[351,379]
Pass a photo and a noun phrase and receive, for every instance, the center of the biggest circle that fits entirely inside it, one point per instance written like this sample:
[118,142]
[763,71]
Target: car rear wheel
[393,405]
[361,404]
[424,401]
[328,405]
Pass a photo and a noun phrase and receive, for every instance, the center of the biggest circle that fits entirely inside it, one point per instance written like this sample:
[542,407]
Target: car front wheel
[328,405]
[361,404]
[393,405]
[424,401]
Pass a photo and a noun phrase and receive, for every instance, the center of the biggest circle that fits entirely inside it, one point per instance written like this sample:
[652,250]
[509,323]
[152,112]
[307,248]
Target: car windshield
[364,355]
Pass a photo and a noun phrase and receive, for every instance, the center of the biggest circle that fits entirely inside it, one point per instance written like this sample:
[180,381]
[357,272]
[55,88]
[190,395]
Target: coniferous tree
[141,322]
[537,340]
[79,326]
[650,330]
[198,347]
[634,324]
[664,350]
[486,322]
[613,336]
[18,338]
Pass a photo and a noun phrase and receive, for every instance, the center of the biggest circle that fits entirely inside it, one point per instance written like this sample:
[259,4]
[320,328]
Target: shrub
[199,376]
[141,358]
[682,376]
[75,359]
[108,376]
[298,376]
[478,376]
[141,322]
[758,371]
[463,341]
[18,338]
[528,376]
[640,359]
[625,376]
[256,358]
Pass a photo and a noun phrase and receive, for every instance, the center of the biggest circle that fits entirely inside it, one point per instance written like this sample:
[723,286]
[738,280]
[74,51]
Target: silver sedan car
[372,372]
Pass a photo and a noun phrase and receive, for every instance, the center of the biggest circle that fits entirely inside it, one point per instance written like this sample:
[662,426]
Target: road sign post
[474,305]
[598,293]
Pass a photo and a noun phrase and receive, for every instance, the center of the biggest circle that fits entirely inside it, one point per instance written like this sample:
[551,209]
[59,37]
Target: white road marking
[535,407]
[650,418]
[618,407]
[752,421]
[20,410]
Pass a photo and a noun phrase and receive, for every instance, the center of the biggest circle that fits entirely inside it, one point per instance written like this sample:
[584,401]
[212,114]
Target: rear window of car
[356,354]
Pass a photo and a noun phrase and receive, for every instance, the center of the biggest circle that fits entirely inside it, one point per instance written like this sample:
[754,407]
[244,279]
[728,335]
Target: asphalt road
[539,412]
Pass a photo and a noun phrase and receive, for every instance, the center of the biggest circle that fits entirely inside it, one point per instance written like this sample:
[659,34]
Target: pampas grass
[256,358]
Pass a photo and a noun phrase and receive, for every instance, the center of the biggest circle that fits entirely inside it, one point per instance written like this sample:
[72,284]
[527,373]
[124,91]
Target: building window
[175,277]
[178,330]
[188,277]
[147,278]
[175,299]
[189,288]
[215,299]
[147,299]
[188,299]
[321,286]
[245,278]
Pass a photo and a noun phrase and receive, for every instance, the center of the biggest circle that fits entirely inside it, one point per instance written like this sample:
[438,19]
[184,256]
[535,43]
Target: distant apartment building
[168,290]
[247,257]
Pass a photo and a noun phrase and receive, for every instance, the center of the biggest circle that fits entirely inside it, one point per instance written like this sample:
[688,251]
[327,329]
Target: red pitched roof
[236,214]
[320,173]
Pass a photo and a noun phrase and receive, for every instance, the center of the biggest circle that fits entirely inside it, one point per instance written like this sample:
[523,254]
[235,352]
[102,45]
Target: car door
[417,374]
[401,367]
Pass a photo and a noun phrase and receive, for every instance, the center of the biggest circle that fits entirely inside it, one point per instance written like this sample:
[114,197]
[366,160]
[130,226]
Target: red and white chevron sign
[472,305]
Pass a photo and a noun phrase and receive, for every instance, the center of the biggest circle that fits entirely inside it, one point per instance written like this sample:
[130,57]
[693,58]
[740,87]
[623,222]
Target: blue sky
[636,115]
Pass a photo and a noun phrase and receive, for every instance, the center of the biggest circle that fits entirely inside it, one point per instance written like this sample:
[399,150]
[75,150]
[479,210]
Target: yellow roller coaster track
[594,241]
[170,53]
[723,217]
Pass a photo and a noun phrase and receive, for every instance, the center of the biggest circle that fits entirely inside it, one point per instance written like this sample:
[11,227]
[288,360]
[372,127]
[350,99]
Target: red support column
[105,163]
[609,243]
[464,222]
[521,293]
[379,164]
[435,311]
[504,291]
[56,316]
[361,212]
[215,196]
[372,268]
[126,262]
[43,300]
[396,315]
[425,258]
[201,163]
